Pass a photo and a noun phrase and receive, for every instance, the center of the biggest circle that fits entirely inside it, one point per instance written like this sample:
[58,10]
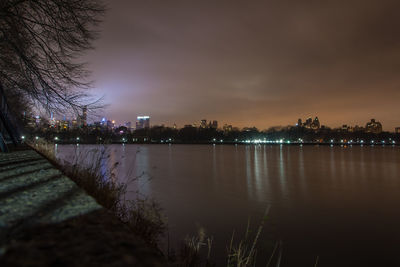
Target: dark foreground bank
[48,220]
[95,239]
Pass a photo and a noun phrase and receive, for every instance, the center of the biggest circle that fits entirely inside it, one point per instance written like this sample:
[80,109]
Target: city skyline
[260,63]
[143,121]
[202,122]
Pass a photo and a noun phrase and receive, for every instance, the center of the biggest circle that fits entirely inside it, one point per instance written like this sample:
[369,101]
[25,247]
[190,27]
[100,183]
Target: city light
[260,137]
[37,137]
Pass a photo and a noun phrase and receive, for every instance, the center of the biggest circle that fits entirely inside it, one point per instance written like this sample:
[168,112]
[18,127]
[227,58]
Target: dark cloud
[248,63]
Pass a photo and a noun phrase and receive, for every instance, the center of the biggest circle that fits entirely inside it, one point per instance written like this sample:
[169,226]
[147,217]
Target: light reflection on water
[338,203]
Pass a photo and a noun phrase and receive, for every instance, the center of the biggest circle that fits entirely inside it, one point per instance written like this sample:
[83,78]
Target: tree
[40,43]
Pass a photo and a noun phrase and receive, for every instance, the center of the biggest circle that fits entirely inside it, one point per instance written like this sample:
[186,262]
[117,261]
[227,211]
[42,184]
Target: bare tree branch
[40,44]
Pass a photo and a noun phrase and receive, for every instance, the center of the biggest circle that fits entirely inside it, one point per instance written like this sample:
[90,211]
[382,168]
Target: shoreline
[237,143]
[76,240]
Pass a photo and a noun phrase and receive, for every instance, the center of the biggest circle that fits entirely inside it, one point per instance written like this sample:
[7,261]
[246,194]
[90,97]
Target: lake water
[337,204]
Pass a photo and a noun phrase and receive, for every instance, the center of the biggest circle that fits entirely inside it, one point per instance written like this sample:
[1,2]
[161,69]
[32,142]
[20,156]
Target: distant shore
[237,143]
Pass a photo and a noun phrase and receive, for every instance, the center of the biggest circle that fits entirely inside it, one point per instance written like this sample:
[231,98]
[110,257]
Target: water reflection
[282,176]
[324,200]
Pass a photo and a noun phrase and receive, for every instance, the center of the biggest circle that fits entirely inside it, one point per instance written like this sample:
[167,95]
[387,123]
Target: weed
[89,171]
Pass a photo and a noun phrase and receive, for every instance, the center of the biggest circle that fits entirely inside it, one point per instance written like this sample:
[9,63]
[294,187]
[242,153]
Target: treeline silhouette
[161,134]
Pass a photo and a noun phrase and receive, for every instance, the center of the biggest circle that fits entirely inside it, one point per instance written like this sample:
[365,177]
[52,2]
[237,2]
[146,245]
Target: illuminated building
[52,121]
[110,124]
[203,124]
[103,122]
[84,116]
[142,122]
[309,123]
[63,125]
[373,127]
[227,128]
[74,124]
[397,130]
[315,125]
[82,119]
[214,124]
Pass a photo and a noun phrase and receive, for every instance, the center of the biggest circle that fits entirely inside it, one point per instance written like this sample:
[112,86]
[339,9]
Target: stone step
[33,191]
[26,170]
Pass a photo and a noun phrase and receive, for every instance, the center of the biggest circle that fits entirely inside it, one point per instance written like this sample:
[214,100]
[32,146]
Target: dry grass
[244,253]
[191,248]
[239,254]
[142,215]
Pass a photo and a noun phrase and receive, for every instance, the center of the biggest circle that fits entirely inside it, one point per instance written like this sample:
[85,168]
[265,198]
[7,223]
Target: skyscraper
[52,120]
[315,125]
[308,123]
[203,124]
[373,127]
[84,116]
[299,123]
[142,122]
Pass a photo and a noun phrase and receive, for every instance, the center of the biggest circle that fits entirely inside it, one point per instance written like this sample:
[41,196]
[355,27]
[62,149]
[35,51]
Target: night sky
[250,63]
